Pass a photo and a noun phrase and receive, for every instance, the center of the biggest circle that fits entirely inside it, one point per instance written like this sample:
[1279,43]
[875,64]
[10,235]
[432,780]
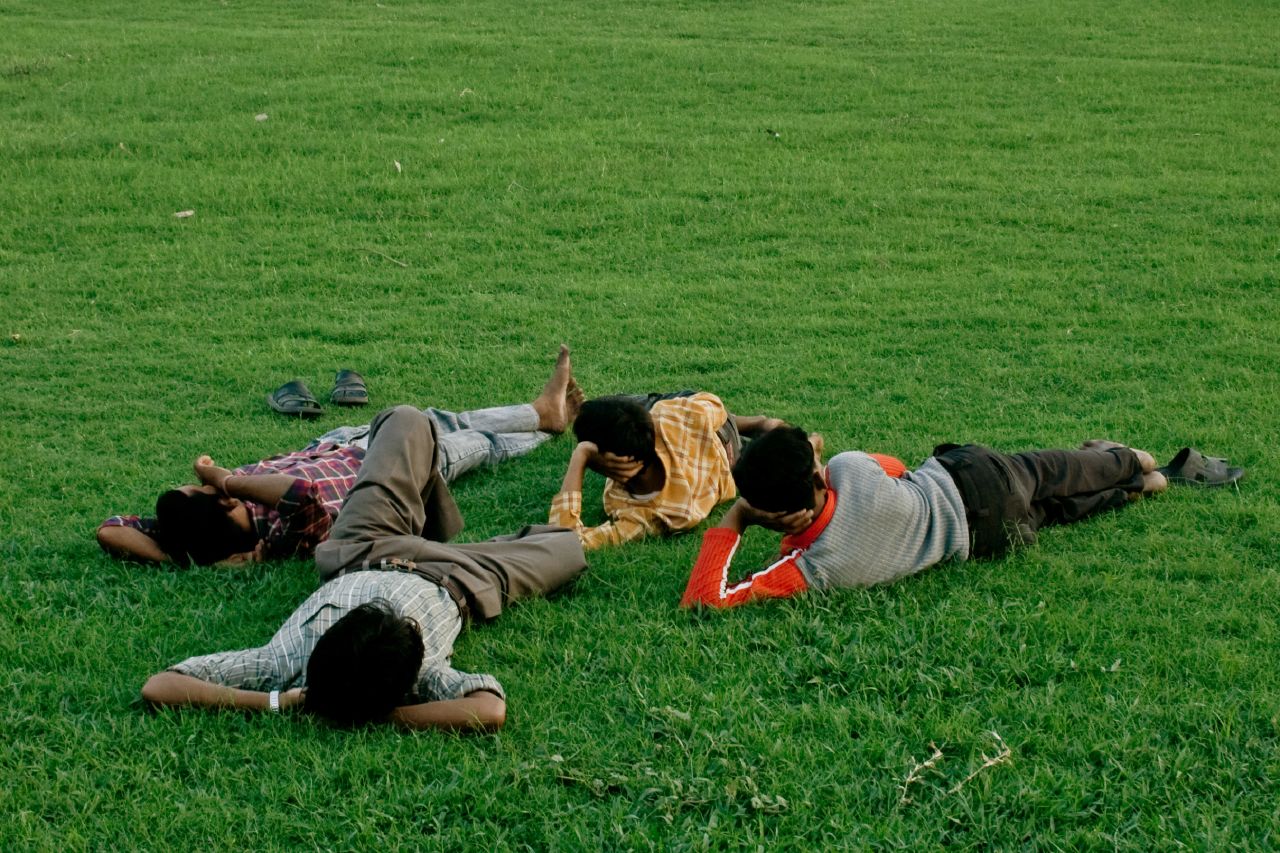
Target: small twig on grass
[918,771]
[384,255]
[999,758]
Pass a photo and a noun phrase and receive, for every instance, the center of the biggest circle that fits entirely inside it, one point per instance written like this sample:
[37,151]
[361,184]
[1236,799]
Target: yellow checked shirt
[698,478]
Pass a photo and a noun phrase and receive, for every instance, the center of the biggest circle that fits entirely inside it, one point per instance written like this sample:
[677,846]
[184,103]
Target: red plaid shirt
[302,519]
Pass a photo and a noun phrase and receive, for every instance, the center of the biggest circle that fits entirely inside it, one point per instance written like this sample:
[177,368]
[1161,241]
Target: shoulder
[853,464]
[702,409]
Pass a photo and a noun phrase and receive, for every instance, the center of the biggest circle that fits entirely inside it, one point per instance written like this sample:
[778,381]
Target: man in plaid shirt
[285,506]
[667,459]
[375,642]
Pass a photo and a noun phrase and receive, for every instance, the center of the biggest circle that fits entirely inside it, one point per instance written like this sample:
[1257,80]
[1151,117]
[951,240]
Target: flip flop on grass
[349,389]
[1191,467]
[294,398]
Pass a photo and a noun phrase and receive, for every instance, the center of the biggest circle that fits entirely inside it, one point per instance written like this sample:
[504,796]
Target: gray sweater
[884,529]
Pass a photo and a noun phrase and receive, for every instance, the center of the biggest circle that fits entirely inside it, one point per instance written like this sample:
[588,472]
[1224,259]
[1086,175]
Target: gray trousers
[466,440]
[399,514]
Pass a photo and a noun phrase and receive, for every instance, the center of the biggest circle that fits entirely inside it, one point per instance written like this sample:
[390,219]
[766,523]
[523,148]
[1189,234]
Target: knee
[403,411]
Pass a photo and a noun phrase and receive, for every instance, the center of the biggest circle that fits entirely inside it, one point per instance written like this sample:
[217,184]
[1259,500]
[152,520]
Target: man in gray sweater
[865,519]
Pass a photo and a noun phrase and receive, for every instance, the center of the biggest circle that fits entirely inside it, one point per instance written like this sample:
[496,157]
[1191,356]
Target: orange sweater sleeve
[893,467]
[708,583]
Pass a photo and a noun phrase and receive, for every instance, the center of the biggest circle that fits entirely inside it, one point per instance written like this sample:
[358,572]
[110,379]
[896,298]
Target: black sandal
[294,398]
[349,389]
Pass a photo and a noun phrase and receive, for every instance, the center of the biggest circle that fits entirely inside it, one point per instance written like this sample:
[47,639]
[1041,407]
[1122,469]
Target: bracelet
[273,701]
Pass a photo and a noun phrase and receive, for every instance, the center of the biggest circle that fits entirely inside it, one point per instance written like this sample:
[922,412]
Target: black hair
[617,425]
[195,528]
[364,665]
[775,471]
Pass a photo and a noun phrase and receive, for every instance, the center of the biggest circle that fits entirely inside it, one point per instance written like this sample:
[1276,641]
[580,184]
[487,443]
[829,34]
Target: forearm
[129,543]
[575,473]
[481,711]
[176,689]
[709,581]
[752,425]
[734,519]
[265,489]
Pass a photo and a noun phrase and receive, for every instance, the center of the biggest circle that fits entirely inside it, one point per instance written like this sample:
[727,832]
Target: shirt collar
[805,538]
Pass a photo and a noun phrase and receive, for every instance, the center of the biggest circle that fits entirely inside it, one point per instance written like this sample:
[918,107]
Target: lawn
[1020,223]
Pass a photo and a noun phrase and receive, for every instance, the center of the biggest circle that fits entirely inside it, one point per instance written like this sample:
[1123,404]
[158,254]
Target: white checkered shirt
[282,663]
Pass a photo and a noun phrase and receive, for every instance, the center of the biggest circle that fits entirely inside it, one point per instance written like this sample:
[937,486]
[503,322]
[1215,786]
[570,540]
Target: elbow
[153,692]
[107,539]
[491,712]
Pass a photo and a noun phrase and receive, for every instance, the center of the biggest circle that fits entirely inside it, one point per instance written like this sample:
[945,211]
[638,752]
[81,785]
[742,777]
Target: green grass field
[1020,223]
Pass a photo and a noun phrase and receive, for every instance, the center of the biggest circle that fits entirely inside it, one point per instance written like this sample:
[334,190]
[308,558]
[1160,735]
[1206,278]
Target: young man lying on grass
[374,643]
[866,520]
[668,460]
[284,506]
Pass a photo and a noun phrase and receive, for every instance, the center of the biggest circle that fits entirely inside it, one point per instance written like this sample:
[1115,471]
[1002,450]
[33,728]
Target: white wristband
[273,701]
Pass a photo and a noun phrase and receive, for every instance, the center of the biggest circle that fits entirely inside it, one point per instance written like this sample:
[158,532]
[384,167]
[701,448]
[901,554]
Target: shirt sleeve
[709,581]
[248,669]
[137,522]
[566,511]
[710,407]
[440,681]
[303,522]
[892,467]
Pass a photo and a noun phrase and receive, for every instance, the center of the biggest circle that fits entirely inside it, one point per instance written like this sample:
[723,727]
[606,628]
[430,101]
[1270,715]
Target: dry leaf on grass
[261,117]
[184,214]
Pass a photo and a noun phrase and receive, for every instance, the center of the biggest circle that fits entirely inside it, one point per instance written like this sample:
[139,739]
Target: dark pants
[399,505]
[1008,497]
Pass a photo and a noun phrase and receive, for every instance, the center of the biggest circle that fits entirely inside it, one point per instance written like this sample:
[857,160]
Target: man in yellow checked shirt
[668,459]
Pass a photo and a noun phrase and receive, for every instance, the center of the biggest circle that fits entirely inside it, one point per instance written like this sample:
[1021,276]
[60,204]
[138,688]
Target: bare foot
[573,400]
[1153,482]
[1145,459]
[552,405]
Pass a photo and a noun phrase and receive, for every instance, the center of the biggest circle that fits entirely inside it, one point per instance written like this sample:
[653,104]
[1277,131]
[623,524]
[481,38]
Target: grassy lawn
[1020,223]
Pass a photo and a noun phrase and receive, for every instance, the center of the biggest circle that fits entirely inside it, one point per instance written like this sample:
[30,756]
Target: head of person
[198,525]
[617,425]
[364,666]
[779,472]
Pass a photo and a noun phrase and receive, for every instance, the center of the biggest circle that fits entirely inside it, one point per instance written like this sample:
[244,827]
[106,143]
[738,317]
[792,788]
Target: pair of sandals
[295,398]
[1190,467]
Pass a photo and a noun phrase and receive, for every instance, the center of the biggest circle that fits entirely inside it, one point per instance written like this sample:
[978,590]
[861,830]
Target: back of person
[884,528]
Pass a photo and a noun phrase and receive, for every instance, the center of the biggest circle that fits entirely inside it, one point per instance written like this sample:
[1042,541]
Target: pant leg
[468,449]
[347,436]
[399,491]
[535,561]
[1008,498]
[483,577]
[1064,486]
[519,418]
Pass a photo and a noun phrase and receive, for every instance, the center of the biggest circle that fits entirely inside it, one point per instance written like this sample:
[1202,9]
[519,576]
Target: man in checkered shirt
[374,643]
[284,506]
[667,458]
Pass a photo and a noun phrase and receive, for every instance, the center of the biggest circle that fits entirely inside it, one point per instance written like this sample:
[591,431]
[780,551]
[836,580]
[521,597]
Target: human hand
[784,522]
[257,555]
[818,443]
[293,698]
[618,468]
[210,474]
